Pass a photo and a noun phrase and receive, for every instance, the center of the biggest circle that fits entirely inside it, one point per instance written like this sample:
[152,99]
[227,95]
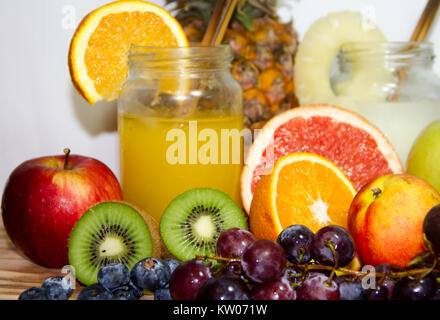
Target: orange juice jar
[180,122]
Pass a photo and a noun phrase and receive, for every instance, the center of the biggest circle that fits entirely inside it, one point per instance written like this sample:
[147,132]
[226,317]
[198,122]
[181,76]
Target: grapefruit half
[355,145]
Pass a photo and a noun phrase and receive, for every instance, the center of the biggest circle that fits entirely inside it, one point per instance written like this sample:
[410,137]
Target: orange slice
[98,51]
[303,188]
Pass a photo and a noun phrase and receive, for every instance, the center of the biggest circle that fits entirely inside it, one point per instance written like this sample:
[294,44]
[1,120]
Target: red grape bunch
[303,265]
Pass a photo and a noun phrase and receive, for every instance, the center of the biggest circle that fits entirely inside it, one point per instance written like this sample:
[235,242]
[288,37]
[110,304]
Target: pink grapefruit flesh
[348,140]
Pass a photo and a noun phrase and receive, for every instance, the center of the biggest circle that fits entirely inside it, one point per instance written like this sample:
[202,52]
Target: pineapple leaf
[246,17]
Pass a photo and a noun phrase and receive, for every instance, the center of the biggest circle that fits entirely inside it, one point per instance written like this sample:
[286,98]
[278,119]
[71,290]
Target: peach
[386,218]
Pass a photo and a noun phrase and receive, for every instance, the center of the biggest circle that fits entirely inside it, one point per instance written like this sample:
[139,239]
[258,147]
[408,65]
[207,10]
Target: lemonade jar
[393,85]
[180,120]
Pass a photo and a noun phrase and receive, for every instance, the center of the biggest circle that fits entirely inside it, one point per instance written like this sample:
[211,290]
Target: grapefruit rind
[264,138]
[79,43]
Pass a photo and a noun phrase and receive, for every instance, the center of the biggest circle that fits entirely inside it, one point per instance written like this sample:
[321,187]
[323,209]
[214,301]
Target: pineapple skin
[264,55]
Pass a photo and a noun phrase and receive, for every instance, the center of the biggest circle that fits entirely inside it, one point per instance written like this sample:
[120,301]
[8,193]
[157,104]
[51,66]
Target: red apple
[386,218]
[45,197]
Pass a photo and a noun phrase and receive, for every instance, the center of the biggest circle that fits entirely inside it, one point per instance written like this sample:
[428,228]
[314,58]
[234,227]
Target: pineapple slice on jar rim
[317,52]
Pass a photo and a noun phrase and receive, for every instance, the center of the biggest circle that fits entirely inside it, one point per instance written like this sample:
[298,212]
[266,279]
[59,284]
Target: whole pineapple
[264,52]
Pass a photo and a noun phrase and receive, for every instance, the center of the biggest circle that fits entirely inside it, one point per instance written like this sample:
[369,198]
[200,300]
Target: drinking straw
[214,36]
[418,35]
[219,22]
[425,21]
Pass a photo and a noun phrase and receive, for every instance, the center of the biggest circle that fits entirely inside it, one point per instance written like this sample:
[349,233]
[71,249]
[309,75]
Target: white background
[41,113]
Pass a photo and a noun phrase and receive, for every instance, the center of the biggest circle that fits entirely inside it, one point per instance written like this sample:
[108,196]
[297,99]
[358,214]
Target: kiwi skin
[153,225]
[159,248]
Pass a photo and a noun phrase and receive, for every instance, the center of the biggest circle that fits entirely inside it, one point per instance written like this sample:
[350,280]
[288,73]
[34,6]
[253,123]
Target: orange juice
[162,157]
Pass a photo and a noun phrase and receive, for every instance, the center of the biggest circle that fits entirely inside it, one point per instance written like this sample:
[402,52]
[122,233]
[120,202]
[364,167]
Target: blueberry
[58,288]
[349,288]
[162,294]
[138,292]
[34,293]
[113,276]
[172,264]
[127,292]
[94,292]
[150,274]
[124,293]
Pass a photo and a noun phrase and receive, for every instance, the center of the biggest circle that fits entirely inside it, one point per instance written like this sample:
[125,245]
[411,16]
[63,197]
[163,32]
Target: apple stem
[376,192]
[66,158]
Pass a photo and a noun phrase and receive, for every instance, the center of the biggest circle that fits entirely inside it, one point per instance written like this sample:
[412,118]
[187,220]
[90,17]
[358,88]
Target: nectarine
[386,218]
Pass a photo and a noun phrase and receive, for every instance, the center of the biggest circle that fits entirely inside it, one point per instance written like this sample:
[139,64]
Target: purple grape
[223,288]
[341,241]
[431,227]
[384,285]
[317,287]
[424,259]
[293,276]
[436,296]
[275,290]
[188,278]
[388,282]
[387,268]
[263,261]
[415,289]
[232,243]
[296,241]
[378,293]
[233,269]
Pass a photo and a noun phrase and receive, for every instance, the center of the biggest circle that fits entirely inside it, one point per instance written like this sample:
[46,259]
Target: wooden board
[18,274]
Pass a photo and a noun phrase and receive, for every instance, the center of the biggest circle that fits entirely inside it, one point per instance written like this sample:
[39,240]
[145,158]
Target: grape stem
[228,260]
[335,269]
[396,275]
[330,245]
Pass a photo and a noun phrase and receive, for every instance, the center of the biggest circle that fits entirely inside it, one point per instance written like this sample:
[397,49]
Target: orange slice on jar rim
[303,188]
[98,55]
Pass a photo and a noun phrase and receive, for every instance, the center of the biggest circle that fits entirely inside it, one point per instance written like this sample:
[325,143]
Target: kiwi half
[193,221]
[109,232]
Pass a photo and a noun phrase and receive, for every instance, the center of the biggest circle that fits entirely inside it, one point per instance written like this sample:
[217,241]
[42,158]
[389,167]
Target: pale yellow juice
[163,157]
[401,122]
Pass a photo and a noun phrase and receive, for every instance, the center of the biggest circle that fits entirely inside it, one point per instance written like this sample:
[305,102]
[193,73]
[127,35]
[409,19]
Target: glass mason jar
[393,85]
[180,116]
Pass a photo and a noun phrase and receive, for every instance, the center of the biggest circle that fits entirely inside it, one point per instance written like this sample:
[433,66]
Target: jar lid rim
[425,44]
[192,50]
[388,49]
